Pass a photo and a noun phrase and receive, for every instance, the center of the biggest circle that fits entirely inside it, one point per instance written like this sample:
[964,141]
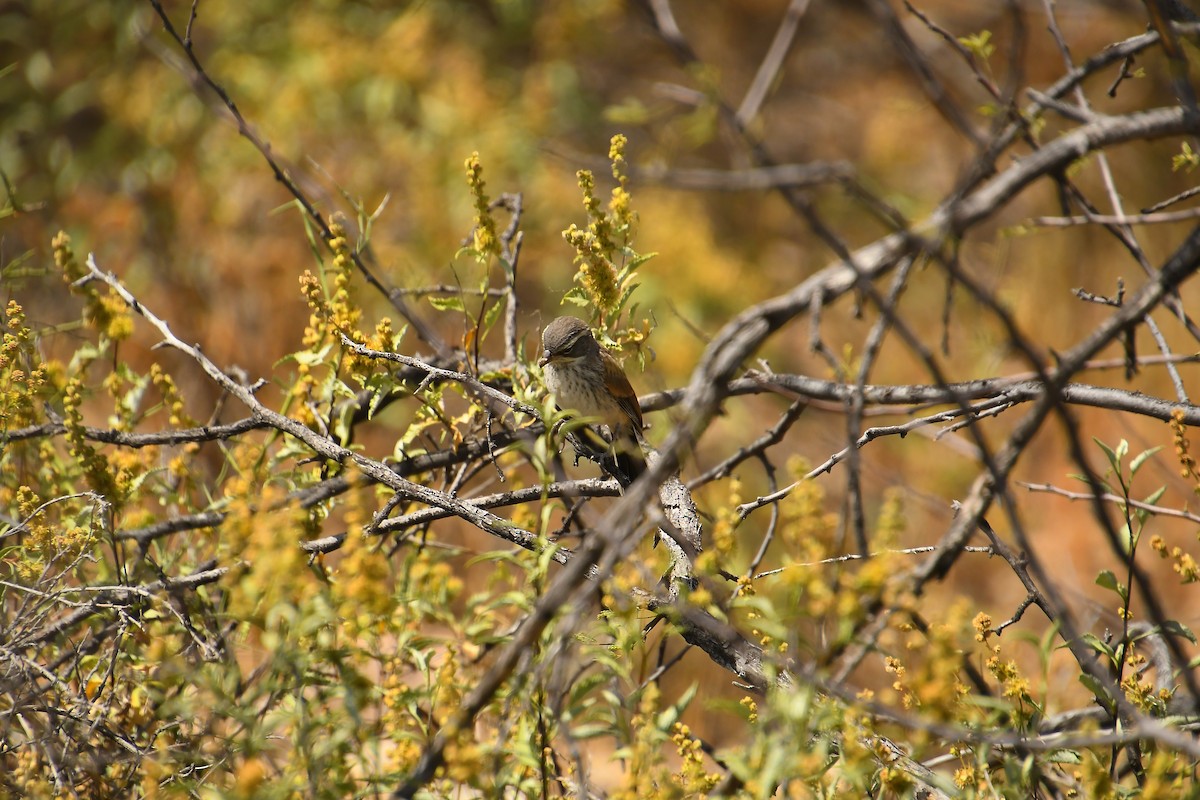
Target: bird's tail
[622,458]
[631,461]
[632,465]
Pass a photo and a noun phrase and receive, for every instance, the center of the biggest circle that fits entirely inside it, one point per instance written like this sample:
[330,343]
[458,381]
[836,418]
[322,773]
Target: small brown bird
[584,377]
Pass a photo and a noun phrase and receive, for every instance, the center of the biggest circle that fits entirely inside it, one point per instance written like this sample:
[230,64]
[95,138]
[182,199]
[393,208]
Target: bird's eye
[578,347]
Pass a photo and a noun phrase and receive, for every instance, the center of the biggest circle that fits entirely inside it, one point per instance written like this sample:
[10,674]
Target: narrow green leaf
[1144,514]
[625,295]
[381,388]
[592,730]
[1140,459]
[669,716]
[1153,497]
[489,317]
[451,303]
[639,260]
[1085,481]
[1113,461]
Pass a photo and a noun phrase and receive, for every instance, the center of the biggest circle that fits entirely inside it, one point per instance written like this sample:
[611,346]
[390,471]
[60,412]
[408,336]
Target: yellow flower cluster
[596,272]
[328,316]
[310,287]
[464,759]
[751,707]
[1142,692]
[343,313]
[363,577]
[929,677]
[172,398]
[101,476]
[723,539]
[692,778]
[1185,563]
[591,204]
[276,581]
[107,314]
[805,526]
[967,776]
[892,522]
[620,210]
[64,258]
[644,758]
[483,234]
[333,312]
[336,311]
[39,536]
[1187,462]
[983,626]
[597,249]
[22,374]
[1015,685]
[896,667]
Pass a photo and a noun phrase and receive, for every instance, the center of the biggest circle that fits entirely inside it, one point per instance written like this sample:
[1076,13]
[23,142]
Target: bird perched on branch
[584,377]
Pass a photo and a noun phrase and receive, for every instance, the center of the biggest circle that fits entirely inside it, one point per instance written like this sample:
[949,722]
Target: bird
[584,377]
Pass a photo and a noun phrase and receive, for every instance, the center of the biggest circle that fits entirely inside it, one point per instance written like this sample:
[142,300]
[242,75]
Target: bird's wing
[622,391]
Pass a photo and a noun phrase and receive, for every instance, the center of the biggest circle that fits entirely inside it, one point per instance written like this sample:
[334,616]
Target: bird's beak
[545,359]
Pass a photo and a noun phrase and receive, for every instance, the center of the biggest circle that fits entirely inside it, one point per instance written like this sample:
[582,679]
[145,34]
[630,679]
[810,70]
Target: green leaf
[310,358]
[489,318]
[669,716]
[1110,454]
[87,353]
[381,386]
[1045,645]
[629,290]
[1143,514]
[639,260]
[1140,459]
[1094,642]
[1186,160]
[136,484]
[1087,481]
[1129,539]
[1154,496]
[576,296]
[1063,757]
[469,251]
[633,264]
[585,686]
[1097,689]
[451,303]
[980,44]
[1108,580]
[1178,629]
[592,730]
